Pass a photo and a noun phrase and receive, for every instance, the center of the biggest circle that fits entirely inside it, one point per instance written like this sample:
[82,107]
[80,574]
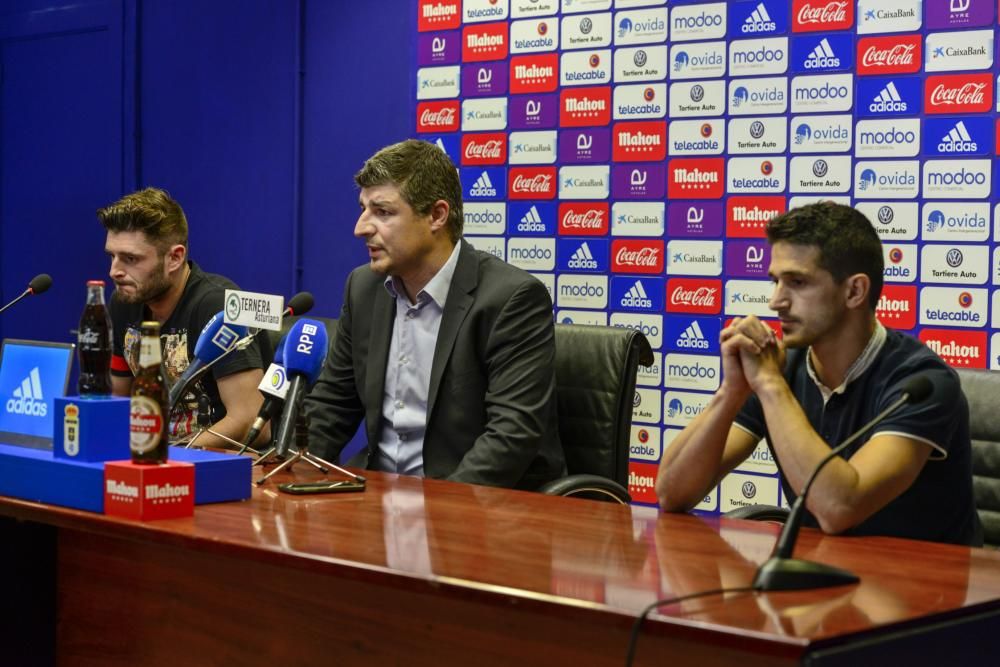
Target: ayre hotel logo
[953,306]
[758,56]
[697,60]
[886,179]
[585,146]
[644,26]
[579,68]
[957,179]
[948,14]
[638,181]
[758,18]
[748,259]
[822,134]
[442,48]
[697,98]
[698,22]
[533,112]
[484,80]
[964,50]
[755,97]
[882,16]
[645,63]
[702,219]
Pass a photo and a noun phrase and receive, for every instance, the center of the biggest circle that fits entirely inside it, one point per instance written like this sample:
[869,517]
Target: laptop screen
[32,374]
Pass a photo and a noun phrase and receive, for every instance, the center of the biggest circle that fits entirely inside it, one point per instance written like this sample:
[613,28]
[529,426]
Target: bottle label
[145,425]
[88,339]
[149,352]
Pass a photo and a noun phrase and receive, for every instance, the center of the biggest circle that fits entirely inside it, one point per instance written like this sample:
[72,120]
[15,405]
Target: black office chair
[595,381]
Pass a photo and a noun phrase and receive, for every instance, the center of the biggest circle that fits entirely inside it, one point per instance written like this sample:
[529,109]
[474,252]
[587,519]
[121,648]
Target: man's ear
[175,257]
[439,215]
[858,286]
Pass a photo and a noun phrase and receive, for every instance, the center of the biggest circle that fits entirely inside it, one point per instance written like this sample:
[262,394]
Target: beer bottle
[93,340]
[148,439]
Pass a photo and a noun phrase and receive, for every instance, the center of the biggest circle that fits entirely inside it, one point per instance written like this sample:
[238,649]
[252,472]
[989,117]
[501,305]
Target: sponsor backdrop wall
[629,153]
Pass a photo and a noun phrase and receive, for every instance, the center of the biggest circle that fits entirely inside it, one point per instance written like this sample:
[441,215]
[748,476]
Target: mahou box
[148,492]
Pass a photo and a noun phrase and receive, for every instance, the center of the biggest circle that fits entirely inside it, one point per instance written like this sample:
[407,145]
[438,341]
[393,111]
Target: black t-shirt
[939,505]
[202,298]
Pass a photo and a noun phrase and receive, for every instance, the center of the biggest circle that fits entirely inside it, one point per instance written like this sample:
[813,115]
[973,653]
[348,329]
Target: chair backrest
[595,380]
[286,324]
[982,389]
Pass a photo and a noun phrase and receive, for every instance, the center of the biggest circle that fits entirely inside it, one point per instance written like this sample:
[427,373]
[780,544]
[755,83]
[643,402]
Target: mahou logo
[964,349]
[484,42]
[531,183]
[958,93]
[535,73]
[896,54]
[695,178]
[484,149]
[746,217]
[640,141]
[438,15]
[897,306]
[633,256]
[584,219]
[692,295]
[816,15]
[438,116]
[585,107]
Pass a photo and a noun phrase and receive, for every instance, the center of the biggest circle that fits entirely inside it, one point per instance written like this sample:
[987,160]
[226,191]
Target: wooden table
[424,572]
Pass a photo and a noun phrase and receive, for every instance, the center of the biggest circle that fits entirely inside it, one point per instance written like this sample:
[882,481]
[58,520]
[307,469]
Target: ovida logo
[27,399]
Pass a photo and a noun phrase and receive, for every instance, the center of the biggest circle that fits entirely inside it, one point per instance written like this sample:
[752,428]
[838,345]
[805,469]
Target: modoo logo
[698,22]
[766,56]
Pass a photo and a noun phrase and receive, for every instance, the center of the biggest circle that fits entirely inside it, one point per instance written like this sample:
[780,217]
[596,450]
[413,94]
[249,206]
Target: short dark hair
[423,173]
[150,211]
[847,241]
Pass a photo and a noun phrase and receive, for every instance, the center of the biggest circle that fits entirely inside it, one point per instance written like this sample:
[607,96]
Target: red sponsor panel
[439,116]
[701,296]
[484,42]
[897,306]
[637,256]
[149,492]
[958,93]
[531,183]
[774,324]
[892,54]
[581,107]
[747,216]
[962,349]
[696,178]
[640,141]
[438,15]
[484,149]
[583,218]
[817,15]
[642,482]
[535,73]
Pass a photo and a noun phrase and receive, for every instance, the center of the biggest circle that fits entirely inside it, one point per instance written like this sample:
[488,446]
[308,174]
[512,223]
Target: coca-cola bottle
[148,423]
[93,341]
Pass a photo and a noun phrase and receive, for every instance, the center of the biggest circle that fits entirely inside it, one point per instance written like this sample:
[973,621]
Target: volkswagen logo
[639,58]
[697,93]
[954,257]
[586,25]
[749,489]
[820,168]
[885,215]
[756,129]
[636,400]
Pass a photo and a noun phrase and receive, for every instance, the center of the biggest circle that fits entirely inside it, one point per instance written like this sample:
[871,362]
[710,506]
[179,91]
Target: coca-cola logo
[532,183]
[488,149]
[958,93]
[630,256]
[578,219]
[686,295]
[812,15]
[438,116]
[890,55]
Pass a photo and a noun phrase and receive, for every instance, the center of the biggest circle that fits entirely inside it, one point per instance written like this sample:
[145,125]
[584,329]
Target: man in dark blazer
[447,353]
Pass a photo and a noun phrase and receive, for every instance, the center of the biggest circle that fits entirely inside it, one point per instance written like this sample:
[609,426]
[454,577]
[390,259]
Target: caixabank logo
[536,73]
[822,15]
[757,18]
[582,255]
[963,349]
[695,178]
[643,256]
[958,93]
[893,96]
[638,181]
[959,51]
[747,216]
[632,218]
[533,147]
[639,141]
[438,15]
[882,16]
[897,306]
[965,136]
[484,42]
[892,54]
[692,334]
[585,107]
[531,218]
[590,145]
[637,294]
[823,53]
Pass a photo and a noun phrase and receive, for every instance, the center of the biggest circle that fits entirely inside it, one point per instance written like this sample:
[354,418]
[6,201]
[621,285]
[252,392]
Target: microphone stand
[301,451]
[205,426]
[21,296]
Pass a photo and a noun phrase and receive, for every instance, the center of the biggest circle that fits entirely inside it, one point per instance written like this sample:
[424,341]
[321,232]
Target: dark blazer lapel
[460,298]
[383,318]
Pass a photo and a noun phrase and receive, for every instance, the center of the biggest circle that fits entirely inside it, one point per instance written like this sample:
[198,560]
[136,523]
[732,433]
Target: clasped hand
[751,354]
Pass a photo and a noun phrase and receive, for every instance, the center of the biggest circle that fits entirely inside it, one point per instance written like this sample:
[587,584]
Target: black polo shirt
[939,504]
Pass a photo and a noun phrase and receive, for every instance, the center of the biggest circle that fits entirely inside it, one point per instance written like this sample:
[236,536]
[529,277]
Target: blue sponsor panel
[582,255]
[32,376]
[958,137]
[483,183]
[531,218]
[833,52]
[692,334]
[449,143]
[889,96]
[645,295]
[758,18]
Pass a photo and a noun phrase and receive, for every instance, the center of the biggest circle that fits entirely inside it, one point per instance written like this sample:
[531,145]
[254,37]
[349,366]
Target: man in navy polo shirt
[913,476]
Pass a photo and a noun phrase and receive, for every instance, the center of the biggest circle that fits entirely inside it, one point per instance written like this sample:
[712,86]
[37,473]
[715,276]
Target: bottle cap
[95,283]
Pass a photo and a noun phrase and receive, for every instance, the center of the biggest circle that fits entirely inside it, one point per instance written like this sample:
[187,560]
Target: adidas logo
[759,21]
[582,259]
[636,297]
[822,57]
[888,101]
[958,140]
[440,144]
[692,338]
[483,187]
[531,221]
[28,399]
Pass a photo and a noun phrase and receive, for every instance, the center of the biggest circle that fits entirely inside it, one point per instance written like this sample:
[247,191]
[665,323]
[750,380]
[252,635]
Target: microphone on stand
[274,386]
[781,572]
[38,284]
[304,353]
[215,341]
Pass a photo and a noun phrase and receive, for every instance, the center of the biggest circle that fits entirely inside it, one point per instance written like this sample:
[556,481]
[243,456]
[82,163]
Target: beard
[156,286]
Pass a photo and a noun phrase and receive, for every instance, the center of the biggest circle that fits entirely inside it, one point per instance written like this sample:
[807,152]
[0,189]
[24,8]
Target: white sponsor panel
[748,297]
[756,174]
[755,97]
[494,245]
[757,135]
[591,317]
[752,57]
[582,68]
[886,179]
[487,218]
[474,11]
[894,221]
[644,63]
[804,200]
[995,347]
[900,262]
[645,219]
[585,31]
[525,8]
[696,137]
[584,182]
[633,4]
[694,258]
[697,22]
[822,93]
[651,326]
[882,16]
[955,264]
[532,147]
[961,50]
[652,375]
[434,83]
[821,134]
[891,137]
[646,406]
[691,371]
[996,266]
[534,35]
[681,407]
[532,254]
[996,310]
[644,26]
[739,490]
[957,179]
[996,223]
[954,306]
[760,460]
[577,6]
[582,291]
[820,173]
[646,100]
[697,60]
[549,280]
[644,443]
[955,221]
[697,99]
[485,113]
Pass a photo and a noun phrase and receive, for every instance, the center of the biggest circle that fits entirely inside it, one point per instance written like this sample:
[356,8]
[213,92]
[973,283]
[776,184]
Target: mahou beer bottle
[148,438]
[93,340]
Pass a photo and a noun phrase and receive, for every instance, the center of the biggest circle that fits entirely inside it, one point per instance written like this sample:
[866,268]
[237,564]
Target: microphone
[300,304]
[304,353]
[274,386]
[216,339]
[43,281]
[781,572]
